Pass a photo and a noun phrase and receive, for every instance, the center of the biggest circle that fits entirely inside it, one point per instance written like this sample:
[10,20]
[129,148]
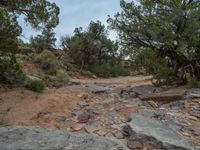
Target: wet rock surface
[29,138]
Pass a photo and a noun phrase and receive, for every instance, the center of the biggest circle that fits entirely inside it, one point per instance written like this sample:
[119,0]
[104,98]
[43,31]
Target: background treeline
[161,38]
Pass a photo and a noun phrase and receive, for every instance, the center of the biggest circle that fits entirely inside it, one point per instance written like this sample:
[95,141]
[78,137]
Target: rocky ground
[129,111]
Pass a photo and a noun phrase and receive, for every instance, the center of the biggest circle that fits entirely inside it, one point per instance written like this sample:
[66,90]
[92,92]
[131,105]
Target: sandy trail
[23,107]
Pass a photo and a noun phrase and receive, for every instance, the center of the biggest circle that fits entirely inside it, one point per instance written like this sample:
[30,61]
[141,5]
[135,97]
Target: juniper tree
[168,28]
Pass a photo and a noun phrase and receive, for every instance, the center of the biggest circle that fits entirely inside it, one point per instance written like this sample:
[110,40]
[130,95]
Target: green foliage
[60,79]
[89,45]
[47,61]
[168,29]
[108,70]
[36,12]
[44,41]
[35,85]
[40,14]
[10,70]
[9,30]
[193,82]
[154,65]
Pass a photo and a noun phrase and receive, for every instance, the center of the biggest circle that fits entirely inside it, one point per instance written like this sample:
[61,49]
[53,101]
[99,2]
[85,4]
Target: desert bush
[35,85]
[47,61]
[10,70]
[108,70]
[58,80]
[193,82]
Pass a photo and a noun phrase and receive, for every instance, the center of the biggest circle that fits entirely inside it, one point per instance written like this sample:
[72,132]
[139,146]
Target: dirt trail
[22,107]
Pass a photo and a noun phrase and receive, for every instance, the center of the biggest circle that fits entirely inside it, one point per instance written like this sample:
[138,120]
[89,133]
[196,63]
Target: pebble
[119,135]
[83,118]
[134,145]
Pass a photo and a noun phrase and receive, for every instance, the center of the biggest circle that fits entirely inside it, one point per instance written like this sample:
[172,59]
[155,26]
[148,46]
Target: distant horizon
[77,13]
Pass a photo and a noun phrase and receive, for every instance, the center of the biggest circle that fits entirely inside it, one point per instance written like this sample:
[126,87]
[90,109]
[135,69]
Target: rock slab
[30,138]
[97,89]
[158,134]
[170,95]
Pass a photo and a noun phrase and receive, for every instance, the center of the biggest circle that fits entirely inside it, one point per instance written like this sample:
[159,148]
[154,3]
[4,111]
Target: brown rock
[102,132]
[133,145]
[91,129]
[77,127]
[84,95]
[171,95]
[83,118]
[133,95]
[153,104]
[119,135]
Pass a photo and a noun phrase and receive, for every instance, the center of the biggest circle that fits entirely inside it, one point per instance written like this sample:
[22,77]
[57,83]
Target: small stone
[77,127]
[192,118]
[196,133]
[119,135]
[83,104]
[109,134]
[133,145]
[91,129]
[133,95]
[84,95]
[153,104]
[102,132]
[61,119]
[77,113]
[83,118]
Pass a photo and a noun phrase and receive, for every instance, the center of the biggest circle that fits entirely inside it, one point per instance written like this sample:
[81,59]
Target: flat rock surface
[171,95]
[29,138]
[96,88]
[160,134]
[143,89]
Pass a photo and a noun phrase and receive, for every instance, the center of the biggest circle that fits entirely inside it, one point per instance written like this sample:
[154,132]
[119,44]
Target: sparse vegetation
[60,79]
[35,85]
[108,70]
[47,61]
[3,115]
[10,70]
[193,82]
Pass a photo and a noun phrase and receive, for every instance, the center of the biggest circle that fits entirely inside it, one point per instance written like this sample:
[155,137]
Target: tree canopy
[39,14]
[44,41]
[87,46]
[170,28]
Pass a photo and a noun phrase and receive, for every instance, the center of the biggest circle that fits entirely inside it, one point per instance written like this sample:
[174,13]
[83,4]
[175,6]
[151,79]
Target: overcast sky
[78,13]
